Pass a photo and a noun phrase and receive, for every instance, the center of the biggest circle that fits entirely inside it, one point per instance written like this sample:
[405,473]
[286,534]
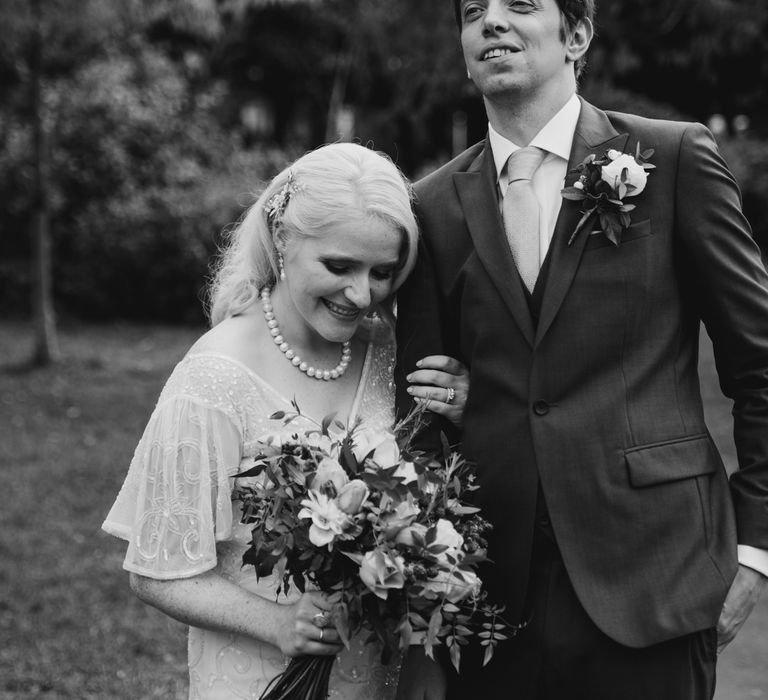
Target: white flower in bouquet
[401,516]
[380,571]
[328,520]
[329,470]
[320,441]
[454,586]
[446,535]
[406,535]
[406,471]
[352,496]
[380,445]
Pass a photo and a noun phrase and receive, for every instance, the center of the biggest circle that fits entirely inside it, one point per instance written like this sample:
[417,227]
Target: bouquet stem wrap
[306,678]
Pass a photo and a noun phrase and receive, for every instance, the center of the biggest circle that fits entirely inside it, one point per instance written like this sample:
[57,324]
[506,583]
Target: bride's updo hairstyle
[342,183]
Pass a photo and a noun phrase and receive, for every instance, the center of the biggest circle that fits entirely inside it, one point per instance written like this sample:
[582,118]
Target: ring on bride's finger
[322,634]
[451,395]
[320,620]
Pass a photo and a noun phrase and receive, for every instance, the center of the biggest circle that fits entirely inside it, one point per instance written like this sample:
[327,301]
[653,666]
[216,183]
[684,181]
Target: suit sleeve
[420,332]
[720,257]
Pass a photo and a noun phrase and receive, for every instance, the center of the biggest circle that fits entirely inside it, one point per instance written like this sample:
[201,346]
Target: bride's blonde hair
[336,184]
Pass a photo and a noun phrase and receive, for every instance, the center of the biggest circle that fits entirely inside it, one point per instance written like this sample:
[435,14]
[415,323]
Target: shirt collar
[556,136]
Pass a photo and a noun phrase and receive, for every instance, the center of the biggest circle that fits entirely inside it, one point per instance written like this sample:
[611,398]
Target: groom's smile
[498,52]
[513,47]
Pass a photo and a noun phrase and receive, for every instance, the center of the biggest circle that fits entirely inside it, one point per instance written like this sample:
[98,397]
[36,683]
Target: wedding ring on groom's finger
[320,620]
[451,395]
[322,634]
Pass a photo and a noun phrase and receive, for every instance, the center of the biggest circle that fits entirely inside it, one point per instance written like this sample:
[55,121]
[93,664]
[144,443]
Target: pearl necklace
[296,361]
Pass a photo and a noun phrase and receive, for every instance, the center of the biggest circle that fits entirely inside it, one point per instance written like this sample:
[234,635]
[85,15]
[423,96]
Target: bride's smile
[333,279]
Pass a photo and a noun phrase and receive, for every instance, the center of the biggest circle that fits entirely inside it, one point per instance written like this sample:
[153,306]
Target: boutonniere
[603,184]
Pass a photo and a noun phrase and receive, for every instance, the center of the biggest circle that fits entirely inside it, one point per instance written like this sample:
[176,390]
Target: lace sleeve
[175,502]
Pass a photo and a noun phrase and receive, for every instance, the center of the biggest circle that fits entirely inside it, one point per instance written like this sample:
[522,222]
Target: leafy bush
[144,179]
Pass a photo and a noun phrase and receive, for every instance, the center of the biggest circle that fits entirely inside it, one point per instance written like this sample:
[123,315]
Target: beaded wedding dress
[175,511]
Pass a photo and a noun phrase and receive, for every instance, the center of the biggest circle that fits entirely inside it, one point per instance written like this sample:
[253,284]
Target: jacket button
[540,407]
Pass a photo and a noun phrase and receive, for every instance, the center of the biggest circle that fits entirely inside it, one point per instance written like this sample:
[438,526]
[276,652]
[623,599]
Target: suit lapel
[594,134]
[477,194]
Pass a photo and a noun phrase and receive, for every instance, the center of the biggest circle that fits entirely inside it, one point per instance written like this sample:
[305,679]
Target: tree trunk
[338,94]
[343,68]
[46,349]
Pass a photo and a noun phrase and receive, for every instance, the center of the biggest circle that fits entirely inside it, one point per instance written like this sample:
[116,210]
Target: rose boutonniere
[603,185]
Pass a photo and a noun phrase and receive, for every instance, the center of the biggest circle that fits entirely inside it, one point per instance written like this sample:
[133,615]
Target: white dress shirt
[556,137]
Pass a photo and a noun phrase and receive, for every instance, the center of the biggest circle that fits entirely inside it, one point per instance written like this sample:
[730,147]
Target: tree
[46,341]
[395,63]
[700,56]
[45,44]
[43,39]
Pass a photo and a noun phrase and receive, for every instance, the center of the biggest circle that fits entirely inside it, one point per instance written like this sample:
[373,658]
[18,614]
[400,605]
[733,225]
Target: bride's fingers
[430,377]
[440,392]
[444,409]
[438,386]
[438,378]
[322,635]
[308,637]
[317,615]
[318,639]
[442,363]
[434,394]
[453,413]
[320,647]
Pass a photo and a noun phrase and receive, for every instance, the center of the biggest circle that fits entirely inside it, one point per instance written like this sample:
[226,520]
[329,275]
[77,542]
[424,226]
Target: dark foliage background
[163,118]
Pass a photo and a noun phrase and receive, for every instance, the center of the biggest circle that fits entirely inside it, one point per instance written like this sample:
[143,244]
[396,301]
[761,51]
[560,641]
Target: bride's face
[334,279]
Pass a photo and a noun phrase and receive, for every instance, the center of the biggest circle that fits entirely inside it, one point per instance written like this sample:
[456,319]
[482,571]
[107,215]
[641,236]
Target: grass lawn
[70,627]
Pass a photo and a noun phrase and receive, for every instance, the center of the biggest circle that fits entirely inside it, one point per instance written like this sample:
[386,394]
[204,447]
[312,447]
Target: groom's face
[514,46]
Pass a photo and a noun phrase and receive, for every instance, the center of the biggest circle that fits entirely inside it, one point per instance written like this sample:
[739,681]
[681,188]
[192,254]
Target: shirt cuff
[754,558]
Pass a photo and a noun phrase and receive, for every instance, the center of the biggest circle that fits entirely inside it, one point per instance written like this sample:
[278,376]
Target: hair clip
[277,203]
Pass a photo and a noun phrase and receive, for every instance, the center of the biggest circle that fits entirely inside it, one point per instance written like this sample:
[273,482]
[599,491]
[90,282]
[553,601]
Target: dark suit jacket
[599,402]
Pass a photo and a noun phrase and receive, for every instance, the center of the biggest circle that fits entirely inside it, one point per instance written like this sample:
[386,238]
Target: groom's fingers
[741,599]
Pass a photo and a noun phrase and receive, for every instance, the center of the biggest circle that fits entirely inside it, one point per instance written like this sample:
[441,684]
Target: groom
[615,527]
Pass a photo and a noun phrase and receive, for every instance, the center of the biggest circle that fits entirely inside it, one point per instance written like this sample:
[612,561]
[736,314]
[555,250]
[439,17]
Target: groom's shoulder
[650,129]
[438,177]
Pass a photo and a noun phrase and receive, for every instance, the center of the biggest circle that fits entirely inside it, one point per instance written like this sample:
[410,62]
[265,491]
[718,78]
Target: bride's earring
[281,266]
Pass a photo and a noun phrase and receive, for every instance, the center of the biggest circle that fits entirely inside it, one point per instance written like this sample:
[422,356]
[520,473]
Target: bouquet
[357,513]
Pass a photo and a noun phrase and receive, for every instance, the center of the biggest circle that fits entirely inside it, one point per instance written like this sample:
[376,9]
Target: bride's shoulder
[217,363]
[230,337]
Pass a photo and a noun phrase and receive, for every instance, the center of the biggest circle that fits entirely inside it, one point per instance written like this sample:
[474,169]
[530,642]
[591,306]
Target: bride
[301,308]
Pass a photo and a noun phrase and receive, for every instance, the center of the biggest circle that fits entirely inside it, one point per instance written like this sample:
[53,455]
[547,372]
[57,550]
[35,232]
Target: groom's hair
[571,13]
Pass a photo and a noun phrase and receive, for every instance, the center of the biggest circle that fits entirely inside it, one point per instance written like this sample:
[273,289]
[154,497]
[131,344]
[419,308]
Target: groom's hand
[742,597]
[420,677]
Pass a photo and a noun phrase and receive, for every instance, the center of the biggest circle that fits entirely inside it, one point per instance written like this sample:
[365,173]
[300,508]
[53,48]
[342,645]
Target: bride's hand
[304,633]
[442,383]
